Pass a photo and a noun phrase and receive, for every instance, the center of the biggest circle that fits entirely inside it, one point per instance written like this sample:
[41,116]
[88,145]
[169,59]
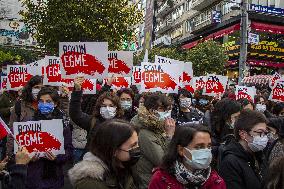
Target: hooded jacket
[153,143]
[93,172]
[239,168]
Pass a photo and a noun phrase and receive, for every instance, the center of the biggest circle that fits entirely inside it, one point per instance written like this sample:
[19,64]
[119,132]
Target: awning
[257,79]
[215,35]
[258,63]
[258,26]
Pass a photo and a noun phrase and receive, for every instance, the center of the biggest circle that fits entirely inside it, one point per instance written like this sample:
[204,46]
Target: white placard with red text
[40,136]
[198,83]
[87,59]
[4,80]
[18,76]
[120,63]
[277,93]
[36,68]
[119,82]
[245,92]
[52,73]
[273,80]
[136,75]
[89,86]
[160,77]
[215,85]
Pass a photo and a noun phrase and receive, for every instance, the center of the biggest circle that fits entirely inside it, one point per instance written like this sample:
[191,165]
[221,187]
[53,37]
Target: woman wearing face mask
[243,164]
[24,108]
[47,171]
[113,151]
[187,113]
[126,97]
[156,130]
[187,162]
[107,107]
[260,104]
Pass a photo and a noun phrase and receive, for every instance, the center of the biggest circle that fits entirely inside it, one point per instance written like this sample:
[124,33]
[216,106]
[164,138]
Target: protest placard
[120,63]
[37,67]
[160,77]
[52,73]
[18,76]
[245,92]
[119,82]
[277,93]
[40,136]
[136,75]
[88,59]
[273,80]
[198,83]
[89,86]
[215,84]
[3,86]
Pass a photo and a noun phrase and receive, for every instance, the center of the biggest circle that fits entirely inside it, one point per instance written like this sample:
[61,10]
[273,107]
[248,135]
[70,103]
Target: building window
[188,5]
[189,26]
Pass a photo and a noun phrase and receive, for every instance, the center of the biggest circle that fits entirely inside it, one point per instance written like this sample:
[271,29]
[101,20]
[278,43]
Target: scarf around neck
[186,177]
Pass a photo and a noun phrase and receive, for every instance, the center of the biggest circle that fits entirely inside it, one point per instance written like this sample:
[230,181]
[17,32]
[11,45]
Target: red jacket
[162,180]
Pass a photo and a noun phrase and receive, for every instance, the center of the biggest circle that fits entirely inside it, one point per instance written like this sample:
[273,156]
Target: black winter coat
[239,168]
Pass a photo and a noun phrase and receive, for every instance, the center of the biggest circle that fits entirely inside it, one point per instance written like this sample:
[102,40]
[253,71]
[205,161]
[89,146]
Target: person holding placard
[114,150]
[107,107]
[24,108]
[47,172]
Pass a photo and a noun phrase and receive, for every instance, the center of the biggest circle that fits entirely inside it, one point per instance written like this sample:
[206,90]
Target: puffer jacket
[92,173]
[79,137]
[162,179]
[153,144]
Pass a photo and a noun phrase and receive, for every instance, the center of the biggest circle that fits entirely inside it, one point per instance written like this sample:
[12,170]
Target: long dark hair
[108,138]
[182,137]
[27,95]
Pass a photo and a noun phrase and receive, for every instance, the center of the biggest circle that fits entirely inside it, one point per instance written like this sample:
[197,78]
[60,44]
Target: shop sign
[266,9]
[270,46]
[253,38]
[216,16]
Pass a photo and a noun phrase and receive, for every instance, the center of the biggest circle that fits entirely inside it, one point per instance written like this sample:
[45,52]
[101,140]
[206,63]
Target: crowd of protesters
[122,139]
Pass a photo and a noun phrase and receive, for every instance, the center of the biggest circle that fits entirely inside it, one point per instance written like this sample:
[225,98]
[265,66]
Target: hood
[91,166]
[236,149]
[150,121]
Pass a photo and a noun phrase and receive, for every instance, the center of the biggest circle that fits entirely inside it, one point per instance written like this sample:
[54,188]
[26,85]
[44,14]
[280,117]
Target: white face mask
[260,107]
[201,159]
[258,143]
[108,112]
[125,104]
[185,102]
[164,115]
[35,93]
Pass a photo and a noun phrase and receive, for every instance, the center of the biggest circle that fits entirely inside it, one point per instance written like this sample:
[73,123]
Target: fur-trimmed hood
[91,166]
[150,121]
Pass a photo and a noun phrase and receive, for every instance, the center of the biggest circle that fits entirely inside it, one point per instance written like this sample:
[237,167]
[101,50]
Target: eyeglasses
[261,133]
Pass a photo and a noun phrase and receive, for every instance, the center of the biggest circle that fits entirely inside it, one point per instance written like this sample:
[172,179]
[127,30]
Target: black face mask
[135,155]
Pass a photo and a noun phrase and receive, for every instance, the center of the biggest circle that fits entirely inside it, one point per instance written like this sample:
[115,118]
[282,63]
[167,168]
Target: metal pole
[243,40]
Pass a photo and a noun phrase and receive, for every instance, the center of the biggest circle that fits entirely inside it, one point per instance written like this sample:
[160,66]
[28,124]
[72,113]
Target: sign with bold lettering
[120,63]
[52,73]
[160,77]
[136,75]
[89,86]
[199,83]
[245,92]
[277,93]
[88,59]
[275,77]
[18,76]
[40,136]
[215,84]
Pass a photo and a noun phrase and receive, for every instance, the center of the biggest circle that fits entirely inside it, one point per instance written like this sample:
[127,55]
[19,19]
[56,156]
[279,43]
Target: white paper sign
[18,76]
[215,85]
[245,92]
[88,59]
[120,63]
[40,136]
[136,75]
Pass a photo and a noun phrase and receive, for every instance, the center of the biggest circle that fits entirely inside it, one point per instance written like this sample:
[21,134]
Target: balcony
[202,4]
[163,10]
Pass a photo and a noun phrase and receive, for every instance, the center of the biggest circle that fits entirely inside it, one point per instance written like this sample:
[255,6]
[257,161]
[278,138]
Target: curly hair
[115,100]
[126,91]
[27,95]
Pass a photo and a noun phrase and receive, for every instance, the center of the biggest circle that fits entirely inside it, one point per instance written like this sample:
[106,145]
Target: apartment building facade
[188,22]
